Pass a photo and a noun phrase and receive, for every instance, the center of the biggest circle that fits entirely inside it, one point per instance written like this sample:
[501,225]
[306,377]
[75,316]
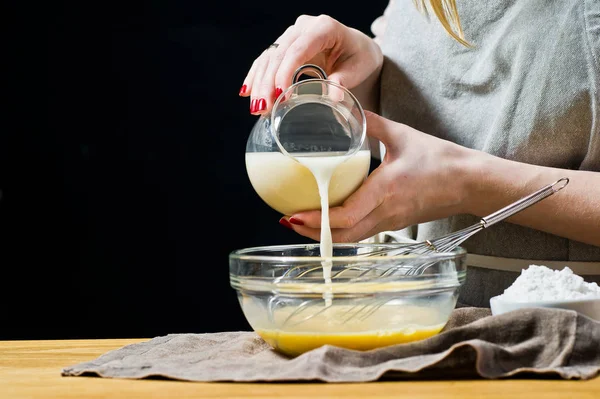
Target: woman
[470,122]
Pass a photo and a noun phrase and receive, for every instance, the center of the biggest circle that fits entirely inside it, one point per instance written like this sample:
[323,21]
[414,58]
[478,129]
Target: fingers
[361,203]
[367,227]
[317,35]
[263,91]
[360,230]
[310,232]
[374,223]
[272,71]
[308,39]
[257,69]
[339,78]
[356,214]
[247,85]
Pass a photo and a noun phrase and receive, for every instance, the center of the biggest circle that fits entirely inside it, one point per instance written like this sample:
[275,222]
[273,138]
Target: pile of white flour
[540,283]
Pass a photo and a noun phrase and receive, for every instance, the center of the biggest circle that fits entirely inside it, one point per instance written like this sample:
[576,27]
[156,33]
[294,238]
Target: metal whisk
[441,244]
[411,266]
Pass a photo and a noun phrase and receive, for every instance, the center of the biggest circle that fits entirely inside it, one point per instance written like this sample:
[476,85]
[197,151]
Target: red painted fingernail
[278,92]
[285,223]
[261,105]
[296,221]
[253,105]
[243,89]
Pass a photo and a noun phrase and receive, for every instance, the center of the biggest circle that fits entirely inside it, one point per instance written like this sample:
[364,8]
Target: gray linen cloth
[535,343]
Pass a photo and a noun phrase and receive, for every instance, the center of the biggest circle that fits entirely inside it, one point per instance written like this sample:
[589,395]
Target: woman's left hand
[421,178]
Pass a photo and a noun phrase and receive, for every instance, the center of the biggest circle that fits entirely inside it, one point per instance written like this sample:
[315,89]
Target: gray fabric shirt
[528,91]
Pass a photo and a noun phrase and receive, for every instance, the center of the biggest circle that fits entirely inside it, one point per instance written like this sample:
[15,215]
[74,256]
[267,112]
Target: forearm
[574,213]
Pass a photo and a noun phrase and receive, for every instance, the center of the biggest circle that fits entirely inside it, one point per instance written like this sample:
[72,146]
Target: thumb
[341,77]
[336,93]
[382,129]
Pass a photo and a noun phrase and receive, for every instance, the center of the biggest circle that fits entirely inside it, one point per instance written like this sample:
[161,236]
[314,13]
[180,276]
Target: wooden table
[31,369]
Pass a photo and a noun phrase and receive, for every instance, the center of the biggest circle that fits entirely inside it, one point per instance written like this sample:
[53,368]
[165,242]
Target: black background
[122,176]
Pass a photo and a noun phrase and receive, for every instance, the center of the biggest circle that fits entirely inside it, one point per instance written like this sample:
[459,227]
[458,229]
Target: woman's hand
[348,56]
[420,179]
[424,178]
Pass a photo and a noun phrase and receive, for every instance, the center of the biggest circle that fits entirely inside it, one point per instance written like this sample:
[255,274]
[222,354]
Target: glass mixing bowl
[369,302]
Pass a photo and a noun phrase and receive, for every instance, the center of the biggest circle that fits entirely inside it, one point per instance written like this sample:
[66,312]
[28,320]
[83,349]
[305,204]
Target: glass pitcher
[314,118]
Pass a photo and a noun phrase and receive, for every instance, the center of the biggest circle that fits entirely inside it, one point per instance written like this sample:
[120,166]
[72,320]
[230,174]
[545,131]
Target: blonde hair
[447,13]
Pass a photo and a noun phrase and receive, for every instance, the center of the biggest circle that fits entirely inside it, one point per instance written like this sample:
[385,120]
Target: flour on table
[540,283]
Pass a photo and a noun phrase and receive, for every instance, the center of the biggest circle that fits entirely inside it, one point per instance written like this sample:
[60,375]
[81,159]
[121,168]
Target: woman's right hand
[347,55]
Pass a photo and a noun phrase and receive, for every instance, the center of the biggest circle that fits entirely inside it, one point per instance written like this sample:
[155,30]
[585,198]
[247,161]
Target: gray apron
[528,91]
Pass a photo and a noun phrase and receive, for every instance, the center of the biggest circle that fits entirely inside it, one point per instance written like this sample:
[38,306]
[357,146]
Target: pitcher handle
[315,69]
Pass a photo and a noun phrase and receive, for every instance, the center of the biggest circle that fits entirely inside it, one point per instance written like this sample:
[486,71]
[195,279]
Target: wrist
[474,169]
[492,182]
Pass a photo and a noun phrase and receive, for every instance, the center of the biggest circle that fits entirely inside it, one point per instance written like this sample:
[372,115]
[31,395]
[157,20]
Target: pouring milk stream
[322,169]
[322,161]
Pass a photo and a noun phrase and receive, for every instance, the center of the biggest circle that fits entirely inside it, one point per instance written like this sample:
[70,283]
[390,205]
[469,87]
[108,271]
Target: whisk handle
[524,202]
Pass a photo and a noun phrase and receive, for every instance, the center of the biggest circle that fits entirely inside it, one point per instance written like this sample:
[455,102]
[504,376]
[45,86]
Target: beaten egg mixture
[389,325]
